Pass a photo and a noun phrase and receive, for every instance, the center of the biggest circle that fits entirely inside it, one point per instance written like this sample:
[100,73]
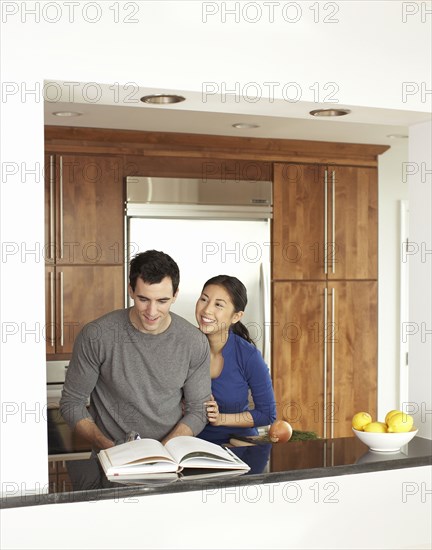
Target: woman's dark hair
[152,266]
[238,294]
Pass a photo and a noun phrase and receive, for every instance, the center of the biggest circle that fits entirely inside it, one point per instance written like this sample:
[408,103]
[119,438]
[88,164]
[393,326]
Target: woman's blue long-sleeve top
[244,369]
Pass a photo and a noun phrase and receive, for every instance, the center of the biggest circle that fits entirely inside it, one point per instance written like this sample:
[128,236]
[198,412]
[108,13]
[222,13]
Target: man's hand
[87,429]
[180,429]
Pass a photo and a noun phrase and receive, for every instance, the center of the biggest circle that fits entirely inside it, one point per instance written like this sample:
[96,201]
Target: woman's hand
[212,409]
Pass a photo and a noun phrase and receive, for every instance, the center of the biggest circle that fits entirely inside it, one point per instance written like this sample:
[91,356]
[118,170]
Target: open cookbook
[143,458]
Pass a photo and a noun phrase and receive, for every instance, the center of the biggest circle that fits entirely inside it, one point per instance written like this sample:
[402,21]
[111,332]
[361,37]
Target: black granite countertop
[270,463]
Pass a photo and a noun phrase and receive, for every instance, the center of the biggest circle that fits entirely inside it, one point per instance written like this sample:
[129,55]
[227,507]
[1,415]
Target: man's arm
[180,429]
[87,429]
[196,391]
[81,378]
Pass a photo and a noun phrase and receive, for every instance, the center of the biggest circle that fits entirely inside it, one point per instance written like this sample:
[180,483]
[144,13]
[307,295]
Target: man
[138,364]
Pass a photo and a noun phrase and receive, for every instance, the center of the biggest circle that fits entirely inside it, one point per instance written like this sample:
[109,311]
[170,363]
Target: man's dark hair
[152,266]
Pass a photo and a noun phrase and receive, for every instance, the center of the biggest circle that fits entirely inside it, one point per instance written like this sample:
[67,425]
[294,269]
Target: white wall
[419,327]
[381,510]
[392,189]
[169,46]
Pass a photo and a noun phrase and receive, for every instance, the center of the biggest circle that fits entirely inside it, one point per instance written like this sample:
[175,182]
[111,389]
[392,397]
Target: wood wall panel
[225,169]
[181,145]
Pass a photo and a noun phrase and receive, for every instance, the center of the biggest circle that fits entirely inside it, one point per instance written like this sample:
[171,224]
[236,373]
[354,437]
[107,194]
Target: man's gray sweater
[136,381]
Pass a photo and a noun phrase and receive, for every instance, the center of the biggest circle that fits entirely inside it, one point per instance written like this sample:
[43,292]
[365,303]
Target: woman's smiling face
[214,310]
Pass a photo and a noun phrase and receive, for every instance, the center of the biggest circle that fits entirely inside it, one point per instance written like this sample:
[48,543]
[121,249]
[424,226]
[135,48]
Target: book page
[185,446]
[138,451]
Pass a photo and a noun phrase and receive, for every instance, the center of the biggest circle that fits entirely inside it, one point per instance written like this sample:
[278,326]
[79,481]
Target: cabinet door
[298,363]
[298,222]
[353,223]
[352,352]
[84,293]
[90,210]
[325,222]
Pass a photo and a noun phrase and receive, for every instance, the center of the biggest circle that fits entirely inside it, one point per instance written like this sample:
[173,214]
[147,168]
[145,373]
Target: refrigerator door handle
[265,299]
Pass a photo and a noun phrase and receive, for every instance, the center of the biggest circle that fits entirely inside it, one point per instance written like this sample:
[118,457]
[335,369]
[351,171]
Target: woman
[236,365]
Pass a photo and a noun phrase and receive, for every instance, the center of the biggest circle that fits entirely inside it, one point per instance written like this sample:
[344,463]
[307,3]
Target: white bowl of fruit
[389,436]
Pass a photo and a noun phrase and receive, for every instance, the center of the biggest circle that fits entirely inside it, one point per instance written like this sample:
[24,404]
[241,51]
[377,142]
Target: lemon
[360,420]
[378,427]
[400,422]
[390,414]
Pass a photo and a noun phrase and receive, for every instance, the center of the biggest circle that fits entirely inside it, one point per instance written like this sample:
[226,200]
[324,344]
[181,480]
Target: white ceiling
[119,107]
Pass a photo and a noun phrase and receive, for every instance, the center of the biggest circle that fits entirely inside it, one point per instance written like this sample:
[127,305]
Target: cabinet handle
[265,293]
[61,207]
[51,210]
[51,278]
[61,310]
[325,220]
[332,364]
[325,363]
[333,222]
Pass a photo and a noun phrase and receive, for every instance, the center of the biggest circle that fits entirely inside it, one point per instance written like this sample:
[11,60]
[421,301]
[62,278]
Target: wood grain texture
[305,334]
[182,145]
[355,243]
[304,237]
[298,222]
[88,293]
[355,352]
[92,210]
[298,353]
[189,167]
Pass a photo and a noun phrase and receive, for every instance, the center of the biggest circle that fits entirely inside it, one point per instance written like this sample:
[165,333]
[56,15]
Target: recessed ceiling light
[397,136]
[162,99]
[67,113]
[330,112]
[245,126]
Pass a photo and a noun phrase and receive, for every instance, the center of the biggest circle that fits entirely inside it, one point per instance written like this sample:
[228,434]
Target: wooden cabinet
[84,213]
[76,295]
[324,295]
[298,352]
[325,222]
[298,222]
[325,353]
[353,352]
[84,207]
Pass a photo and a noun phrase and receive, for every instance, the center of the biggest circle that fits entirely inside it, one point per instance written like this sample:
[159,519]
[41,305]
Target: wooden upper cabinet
[76,295]
[298,222]
[84,218]
[325,222]
[353,222]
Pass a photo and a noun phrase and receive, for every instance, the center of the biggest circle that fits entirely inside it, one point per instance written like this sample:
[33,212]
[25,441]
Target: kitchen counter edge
[124,492]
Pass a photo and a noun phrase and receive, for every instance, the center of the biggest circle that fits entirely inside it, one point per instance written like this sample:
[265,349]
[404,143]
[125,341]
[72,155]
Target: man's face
[150,312]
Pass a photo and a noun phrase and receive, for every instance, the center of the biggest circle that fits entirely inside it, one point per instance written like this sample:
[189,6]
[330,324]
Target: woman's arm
[259,380]
[257,377]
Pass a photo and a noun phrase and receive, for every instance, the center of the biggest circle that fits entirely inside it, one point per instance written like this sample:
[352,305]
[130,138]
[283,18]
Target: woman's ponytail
[240,329]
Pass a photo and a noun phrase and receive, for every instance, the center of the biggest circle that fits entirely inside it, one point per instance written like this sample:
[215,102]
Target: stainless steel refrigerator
[209,227]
